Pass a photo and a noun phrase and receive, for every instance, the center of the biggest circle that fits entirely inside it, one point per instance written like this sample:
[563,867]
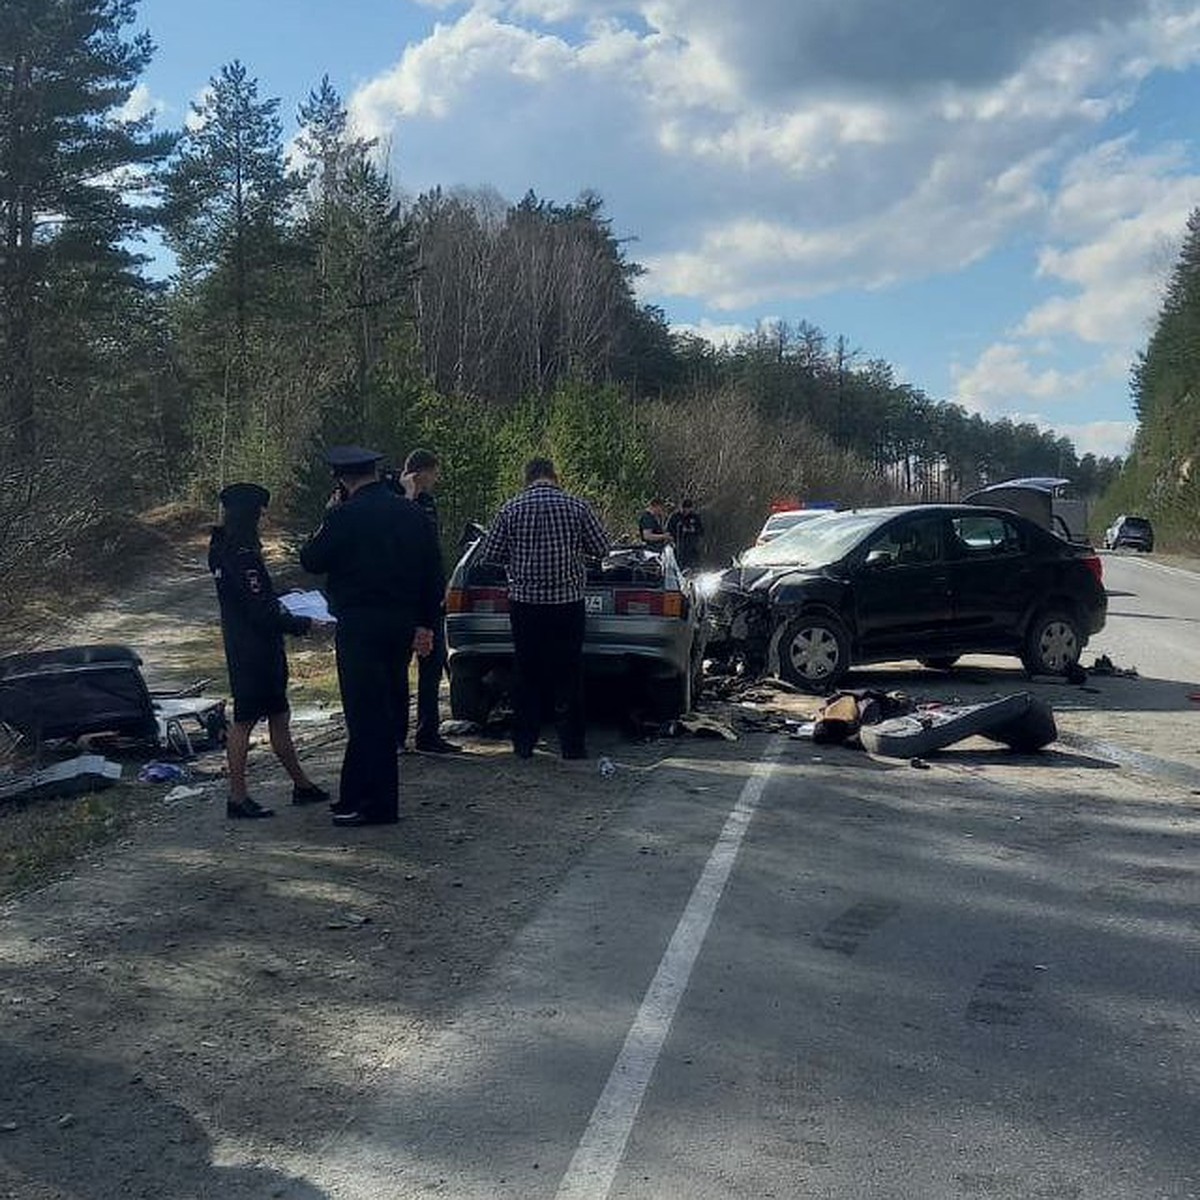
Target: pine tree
[70,166]
[228,207]
[363,260]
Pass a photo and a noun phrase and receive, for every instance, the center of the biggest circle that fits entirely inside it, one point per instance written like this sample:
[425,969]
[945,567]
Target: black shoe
[310,795]
[247,810]
[437,745]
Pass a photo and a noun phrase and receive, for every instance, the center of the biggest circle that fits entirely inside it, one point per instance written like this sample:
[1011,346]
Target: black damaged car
[930,582]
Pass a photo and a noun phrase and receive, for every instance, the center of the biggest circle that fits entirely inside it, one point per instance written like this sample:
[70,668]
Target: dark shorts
[250,708]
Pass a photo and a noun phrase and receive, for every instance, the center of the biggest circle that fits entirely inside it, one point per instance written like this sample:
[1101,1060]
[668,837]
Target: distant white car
[781,522]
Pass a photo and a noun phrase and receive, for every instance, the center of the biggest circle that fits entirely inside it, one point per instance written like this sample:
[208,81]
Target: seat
[80,691]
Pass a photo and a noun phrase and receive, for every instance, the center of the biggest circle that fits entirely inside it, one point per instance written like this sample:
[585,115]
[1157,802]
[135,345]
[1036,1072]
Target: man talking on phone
[385,586]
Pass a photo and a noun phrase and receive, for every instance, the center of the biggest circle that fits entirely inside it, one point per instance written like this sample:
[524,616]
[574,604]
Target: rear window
[1136,525]
[987,535]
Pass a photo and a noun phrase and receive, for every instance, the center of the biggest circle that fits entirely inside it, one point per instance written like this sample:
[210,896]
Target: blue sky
[989,197]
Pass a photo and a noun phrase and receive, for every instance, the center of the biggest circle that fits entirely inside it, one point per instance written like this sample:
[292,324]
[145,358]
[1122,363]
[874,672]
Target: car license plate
[595,603]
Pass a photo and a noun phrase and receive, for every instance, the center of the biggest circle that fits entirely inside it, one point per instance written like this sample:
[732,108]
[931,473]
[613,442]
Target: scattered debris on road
[701,726]
[75,776]
[1105,666]
[1020,721]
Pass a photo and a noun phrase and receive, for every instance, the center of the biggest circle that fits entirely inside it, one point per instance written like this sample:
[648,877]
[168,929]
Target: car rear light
[630,603]
[1094,564]
[477,600]
[643,603]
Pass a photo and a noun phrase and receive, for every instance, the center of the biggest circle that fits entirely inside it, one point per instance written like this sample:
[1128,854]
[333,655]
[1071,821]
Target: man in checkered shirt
[544,537]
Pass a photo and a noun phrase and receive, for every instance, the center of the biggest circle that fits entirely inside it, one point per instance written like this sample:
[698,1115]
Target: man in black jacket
[422,470]
[384,584]
[252,627]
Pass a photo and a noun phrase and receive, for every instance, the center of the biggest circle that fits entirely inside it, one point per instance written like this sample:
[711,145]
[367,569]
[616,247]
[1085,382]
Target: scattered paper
[308,604]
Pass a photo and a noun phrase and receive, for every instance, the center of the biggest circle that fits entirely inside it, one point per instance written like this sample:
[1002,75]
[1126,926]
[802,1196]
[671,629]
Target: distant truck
[1042,499]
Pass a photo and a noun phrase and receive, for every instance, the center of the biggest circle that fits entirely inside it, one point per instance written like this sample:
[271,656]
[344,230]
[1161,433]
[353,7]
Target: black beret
[352,459]
[245,495]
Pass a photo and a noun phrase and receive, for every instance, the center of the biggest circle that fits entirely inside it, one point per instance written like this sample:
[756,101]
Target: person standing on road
[419,478]
[384,582]
[685,528]
[252,629]
[650,527]
[544,537]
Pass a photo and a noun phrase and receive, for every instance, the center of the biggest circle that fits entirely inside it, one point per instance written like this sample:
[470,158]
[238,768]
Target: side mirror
[879,559]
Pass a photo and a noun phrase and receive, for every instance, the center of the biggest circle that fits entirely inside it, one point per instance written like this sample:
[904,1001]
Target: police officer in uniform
[252,627]
[384,584]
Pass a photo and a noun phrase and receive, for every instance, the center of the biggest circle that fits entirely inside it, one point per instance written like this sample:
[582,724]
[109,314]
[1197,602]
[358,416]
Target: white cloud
[716,334]
[1120,217]
[1105,439]
[1005,377]
[827,146]
[195,119]
[139,104]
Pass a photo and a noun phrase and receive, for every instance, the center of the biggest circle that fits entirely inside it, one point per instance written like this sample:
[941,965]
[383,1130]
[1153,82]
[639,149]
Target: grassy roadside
[40,840]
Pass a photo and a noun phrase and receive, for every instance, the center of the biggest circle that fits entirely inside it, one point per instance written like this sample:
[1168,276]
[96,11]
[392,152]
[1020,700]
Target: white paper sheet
[308,604]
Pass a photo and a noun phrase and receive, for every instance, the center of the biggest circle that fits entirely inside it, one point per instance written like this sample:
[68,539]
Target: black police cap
[245,495]
[351,460]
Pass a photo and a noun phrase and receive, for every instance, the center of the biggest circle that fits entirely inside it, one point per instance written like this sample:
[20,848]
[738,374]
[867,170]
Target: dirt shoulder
[193,992]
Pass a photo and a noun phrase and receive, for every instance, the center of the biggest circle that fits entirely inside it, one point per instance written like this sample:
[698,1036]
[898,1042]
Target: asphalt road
[1153,616]
[796,972]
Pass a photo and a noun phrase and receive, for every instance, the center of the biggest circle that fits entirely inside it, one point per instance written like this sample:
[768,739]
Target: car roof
[895,510]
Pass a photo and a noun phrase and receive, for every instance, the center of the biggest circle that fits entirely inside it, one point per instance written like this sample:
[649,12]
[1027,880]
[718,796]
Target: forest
[1161,478]
[307,299]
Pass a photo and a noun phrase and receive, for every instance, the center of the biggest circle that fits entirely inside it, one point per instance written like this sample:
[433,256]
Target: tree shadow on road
[83,1126]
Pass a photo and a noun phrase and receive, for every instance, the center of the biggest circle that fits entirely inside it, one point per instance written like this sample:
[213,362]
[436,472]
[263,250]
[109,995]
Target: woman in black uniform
[253,625]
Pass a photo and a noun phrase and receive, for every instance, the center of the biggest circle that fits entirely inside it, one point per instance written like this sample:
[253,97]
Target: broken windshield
[818,542]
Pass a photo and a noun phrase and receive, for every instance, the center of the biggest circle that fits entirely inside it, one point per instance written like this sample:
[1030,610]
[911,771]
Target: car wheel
[470,698]
[814,652]
[1052,644]
[942,663]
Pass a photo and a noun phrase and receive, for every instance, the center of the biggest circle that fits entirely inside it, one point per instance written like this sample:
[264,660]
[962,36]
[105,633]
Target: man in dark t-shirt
[686,529]
[650,527]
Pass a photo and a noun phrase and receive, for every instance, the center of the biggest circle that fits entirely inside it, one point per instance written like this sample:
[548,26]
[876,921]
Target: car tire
[470,698]
[814,652]
[1053,643]
[941,663]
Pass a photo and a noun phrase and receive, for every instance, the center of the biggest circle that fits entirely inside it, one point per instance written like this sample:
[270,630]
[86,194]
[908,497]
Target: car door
[993,577]
[901,589]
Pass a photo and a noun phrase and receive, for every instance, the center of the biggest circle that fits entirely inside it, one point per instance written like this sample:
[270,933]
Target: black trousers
[548,643]
[430,670]
[373,649]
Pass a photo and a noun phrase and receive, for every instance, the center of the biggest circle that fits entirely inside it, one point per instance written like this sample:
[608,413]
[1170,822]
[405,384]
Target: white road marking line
[1162,568]
[593,1167]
